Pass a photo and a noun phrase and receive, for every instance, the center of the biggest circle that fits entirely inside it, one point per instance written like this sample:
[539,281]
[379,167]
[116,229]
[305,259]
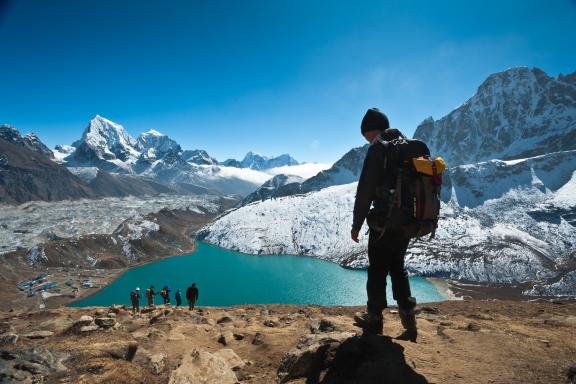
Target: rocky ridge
[500,342]
[517,113]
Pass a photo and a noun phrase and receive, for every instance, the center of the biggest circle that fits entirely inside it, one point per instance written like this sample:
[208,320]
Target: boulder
[258,339]
[309,355]
[9,338]
[100,312]
[105,322]
[326,325]
[158,362]
[226,338]
[89,329]
[203,320]
[270,323]
[83,321]
[224,320]
[199,366]
[117,308]
[38,334]
[20,366]
[234,361]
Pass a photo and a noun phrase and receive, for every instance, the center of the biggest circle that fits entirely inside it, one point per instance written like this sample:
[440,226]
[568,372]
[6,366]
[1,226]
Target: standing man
[150,295]
[386,249]
[178,297]
[192,296]
[135,299]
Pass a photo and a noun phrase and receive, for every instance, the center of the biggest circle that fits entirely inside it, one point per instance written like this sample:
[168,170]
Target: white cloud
[305,170]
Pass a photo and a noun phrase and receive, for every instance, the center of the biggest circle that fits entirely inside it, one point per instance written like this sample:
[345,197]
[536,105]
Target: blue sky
[287,76]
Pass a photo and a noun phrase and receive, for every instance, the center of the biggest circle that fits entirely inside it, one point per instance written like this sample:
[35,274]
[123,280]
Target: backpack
[412,190]
[133,296]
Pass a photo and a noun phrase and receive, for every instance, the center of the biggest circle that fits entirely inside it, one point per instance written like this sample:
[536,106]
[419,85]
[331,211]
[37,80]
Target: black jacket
[192,294]
[372,180]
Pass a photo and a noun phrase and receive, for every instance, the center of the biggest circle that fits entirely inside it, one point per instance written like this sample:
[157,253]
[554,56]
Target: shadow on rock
[369,359]
[335,358]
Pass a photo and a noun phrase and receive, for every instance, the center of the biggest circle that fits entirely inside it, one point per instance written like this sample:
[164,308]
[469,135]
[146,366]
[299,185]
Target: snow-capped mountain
[517,113]
[106,145]
[199,156]
[256,161]
[346,170]
[269,189]
[154,145]
[29,141]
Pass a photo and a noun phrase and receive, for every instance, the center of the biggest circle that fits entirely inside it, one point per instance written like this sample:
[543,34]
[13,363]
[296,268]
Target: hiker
[165,293]
[150,295]
[178,297]
[192,296]
[386,248]
[135,298]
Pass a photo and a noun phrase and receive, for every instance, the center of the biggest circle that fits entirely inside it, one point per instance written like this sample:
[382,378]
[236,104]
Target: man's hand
[354,234]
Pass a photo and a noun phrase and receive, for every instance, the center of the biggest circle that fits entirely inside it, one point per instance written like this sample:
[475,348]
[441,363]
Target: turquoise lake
[227,278]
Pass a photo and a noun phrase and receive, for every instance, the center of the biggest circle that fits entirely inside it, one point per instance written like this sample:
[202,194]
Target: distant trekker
[165,293]
[385,199]
[135,299]
[150,295]
[178,297]
[192,296]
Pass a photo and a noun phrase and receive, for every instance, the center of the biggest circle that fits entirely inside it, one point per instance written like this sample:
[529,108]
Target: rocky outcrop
[182,346]
[204,367]
[30,141]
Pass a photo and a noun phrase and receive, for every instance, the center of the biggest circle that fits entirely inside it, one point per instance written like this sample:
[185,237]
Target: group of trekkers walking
[164,293]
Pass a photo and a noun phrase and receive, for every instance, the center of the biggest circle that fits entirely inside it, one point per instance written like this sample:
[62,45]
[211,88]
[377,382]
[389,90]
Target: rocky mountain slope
[499,342]
[514,114]
[28,175]
[29,141]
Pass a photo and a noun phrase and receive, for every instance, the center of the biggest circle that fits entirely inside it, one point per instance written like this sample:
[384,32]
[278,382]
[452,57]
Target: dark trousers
[386,255]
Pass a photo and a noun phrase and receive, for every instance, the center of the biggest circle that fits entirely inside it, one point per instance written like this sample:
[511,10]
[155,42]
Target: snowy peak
[199,156]
[154,145]
[108,140]
[518,113]
[256,161]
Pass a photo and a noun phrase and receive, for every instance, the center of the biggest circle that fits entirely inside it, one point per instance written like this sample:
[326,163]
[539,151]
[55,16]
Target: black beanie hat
[374,120]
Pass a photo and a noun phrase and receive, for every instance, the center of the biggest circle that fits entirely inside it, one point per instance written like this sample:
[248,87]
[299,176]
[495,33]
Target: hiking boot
[408,319]
[371,323]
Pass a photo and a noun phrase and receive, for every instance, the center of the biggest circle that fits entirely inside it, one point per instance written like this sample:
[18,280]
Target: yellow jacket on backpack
[426,166]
